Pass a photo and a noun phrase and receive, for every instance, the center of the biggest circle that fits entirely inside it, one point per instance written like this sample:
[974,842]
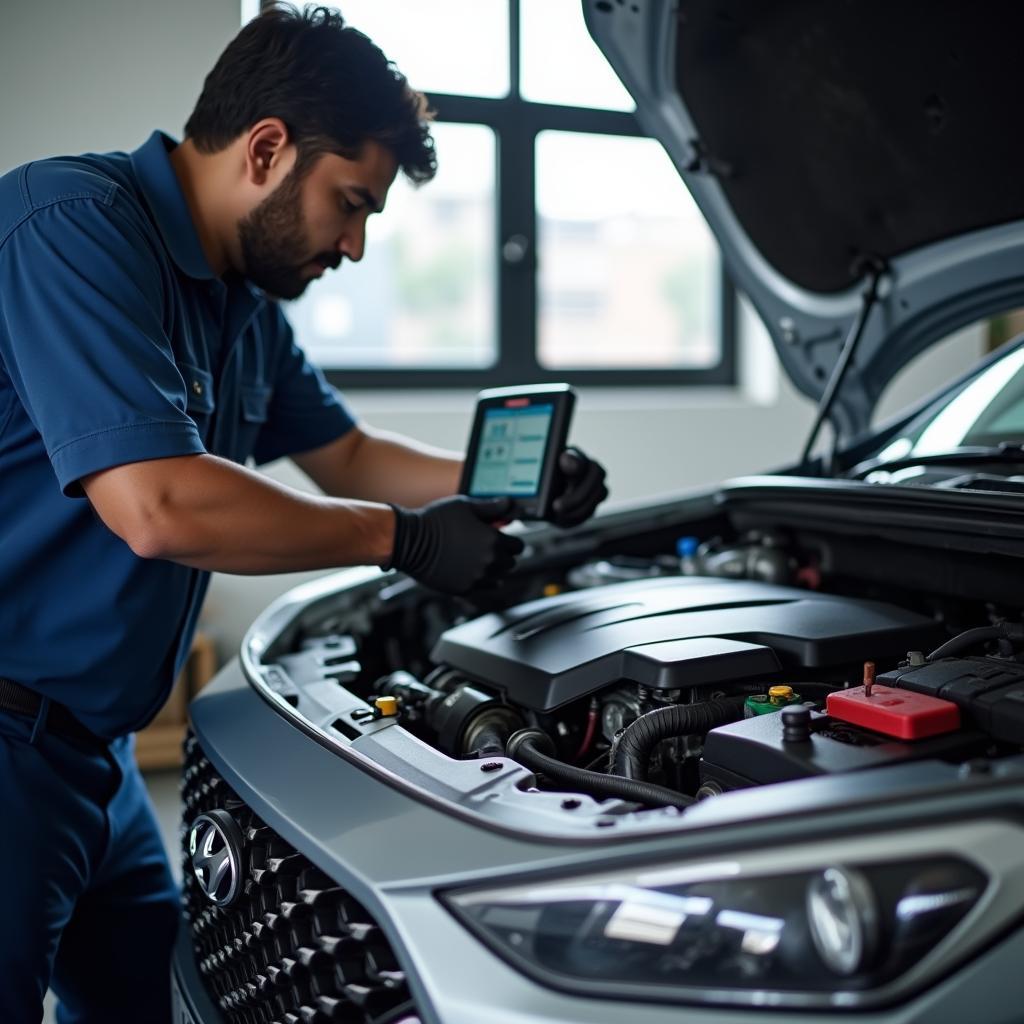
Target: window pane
[628,267]
[456,46]
[423,294]
[560,63]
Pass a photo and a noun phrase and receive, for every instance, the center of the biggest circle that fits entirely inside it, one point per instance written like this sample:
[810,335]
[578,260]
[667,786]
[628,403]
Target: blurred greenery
[686,288]
[448,338]
[443,282]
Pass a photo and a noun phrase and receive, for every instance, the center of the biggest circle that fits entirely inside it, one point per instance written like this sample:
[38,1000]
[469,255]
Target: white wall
[101,75]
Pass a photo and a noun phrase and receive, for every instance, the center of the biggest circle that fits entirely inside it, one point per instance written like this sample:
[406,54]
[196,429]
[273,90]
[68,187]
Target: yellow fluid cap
[780,693]
[551,590]
[387,706]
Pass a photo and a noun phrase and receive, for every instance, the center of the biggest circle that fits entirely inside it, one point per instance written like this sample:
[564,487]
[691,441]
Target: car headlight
[846,933]
[843,918]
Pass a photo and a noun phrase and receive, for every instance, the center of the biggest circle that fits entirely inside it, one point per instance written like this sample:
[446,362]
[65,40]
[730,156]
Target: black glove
[450,545]
[581,488]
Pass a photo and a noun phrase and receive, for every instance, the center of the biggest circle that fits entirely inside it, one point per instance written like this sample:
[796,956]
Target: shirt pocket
[255,405]
[255,399]
[199,397]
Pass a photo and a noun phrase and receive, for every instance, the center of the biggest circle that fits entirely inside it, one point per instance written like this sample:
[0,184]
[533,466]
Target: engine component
[796,724]
[633,748]
[671,633]
[452,717]
[620,570]
[904,715]
[756,751]
[755,557]
[534,748]
[768,703]
[619,707]
[386,706]
[416,697]
[465,720]
[1008,633]
[988,691]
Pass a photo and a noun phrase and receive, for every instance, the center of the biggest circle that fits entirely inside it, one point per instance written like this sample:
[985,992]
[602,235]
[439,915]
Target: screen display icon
[511,453]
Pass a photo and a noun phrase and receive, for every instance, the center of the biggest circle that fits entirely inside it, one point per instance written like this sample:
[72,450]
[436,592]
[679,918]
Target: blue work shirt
[118,344]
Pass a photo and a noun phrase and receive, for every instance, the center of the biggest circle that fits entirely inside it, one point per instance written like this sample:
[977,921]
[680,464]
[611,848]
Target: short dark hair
[329,83]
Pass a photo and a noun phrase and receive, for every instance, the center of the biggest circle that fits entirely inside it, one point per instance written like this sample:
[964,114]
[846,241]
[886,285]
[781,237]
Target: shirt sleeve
[305,411]
[82,339]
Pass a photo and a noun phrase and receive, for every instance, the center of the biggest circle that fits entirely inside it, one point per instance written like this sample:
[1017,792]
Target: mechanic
[142,362]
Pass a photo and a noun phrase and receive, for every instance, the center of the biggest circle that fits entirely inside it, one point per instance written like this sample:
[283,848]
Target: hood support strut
[876,269]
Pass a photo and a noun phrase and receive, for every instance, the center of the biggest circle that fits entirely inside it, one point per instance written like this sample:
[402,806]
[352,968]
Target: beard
[274,243]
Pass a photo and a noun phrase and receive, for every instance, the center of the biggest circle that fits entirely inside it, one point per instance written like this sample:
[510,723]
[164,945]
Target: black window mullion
[517,253]
[505,114]
[513,49]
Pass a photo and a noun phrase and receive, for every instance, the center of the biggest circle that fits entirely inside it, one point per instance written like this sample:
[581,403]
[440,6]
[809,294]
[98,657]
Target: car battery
[756,752]
[988,691]
[901,714]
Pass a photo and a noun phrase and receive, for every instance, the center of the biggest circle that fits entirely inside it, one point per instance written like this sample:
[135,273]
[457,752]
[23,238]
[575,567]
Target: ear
[267,147]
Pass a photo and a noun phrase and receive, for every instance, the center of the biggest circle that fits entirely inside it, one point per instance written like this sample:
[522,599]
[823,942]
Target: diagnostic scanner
[518,434]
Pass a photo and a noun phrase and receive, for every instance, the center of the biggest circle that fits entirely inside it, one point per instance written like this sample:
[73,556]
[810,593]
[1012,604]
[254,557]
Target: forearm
[385,467]
[211,514]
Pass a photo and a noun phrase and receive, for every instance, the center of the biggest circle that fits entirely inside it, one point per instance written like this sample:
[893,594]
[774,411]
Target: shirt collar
[156,177]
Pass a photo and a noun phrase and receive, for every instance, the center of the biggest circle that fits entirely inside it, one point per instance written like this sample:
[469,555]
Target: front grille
[294,948]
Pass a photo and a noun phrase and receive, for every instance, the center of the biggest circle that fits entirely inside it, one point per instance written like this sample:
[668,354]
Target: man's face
[307,225]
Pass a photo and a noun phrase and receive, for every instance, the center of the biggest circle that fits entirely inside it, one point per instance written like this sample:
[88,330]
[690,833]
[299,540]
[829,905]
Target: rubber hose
[597,783]
[970,638]
[489,742]
[633,747]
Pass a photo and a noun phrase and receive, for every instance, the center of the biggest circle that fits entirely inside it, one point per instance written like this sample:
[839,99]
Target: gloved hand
[450,545]
[581,488]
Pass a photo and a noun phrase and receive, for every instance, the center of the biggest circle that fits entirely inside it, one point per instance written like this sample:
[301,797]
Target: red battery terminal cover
[902,714]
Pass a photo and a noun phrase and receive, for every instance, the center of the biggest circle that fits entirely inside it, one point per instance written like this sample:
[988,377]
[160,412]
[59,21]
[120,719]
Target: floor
[163,788]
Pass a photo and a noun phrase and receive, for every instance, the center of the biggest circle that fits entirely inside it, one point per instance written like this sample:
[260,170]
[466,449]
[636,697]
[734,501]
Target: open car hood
[822,140]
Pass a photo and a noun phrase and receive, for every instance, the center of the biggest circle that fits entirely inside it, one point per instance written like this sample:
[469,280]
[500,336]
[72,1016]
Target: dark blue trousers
[88,906]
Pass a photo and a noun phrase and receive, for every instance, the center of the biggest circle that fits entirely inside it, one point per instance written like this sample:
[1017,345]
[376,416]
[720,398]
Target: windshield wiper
[969,455]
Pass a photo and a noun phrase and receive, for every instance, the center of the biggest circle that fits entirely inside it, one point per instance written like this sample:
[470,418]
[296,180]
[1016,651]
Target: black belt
[59,720]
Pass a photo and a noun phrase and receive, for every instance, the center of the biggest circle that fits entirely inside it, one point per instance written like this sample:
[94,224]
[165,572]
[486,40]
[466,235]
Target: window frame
[516,123]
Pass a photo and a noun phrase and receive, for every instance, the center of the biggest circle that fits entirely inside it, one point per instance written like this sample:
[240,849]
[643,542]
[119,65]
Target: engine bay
[631,681]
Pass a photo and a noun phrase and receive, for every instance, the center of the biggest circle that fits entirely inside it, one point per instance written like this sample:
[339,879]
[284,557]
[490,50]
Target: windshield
[985,412]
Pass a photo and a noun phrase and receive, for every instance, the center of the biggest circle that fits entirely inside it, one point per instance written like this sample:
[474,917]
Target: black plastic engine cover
[671,633]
